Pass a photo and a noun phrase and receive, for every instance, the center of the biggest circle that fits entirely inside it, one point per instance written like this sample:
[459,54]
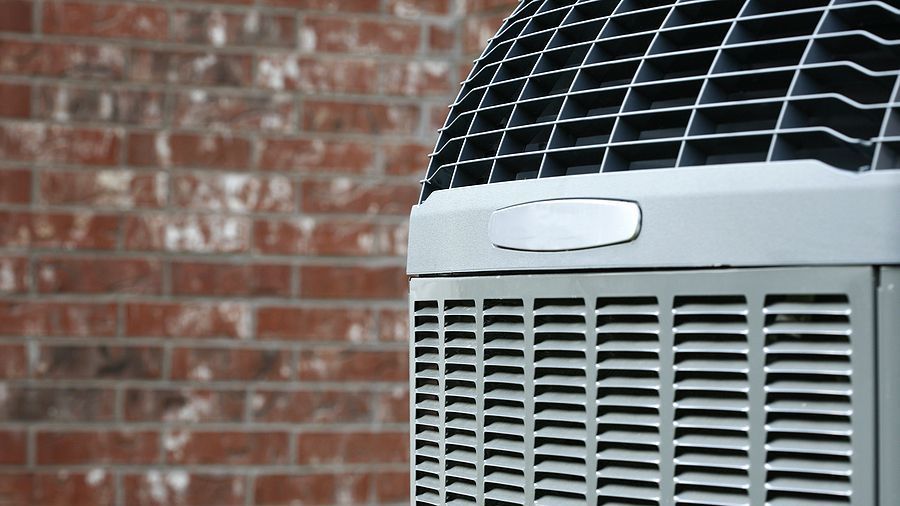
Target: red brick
[284,490]
[191,67]
[58,405]
[183,405]
[477,30]
[202,109]
[232,280]
[214,27]
[320,237]
[318,74]
[14,276]
[14,445]
[315,156]
[114,188]
[16,489]
[202,364]
[98,275]
[352,282]
[188,150]
[441,39]
[235,193]
[44,318]
[94,488]
[437,116]
[329,364]
[15,99]
[314,407]
[56,230]
[381,37]
[177,488]
[15,187]
[76,61]
[393,325]
[315,324]
[188,319]
[324,448]
[391,486]
[105,20]
[65,103]
[188,233]
[348,196]
[416,78]
[98,362]
[416,8]
[406,159]
[227,448]
[327,34]
[13,361]
[360,117]
[393,406]
[39,142]
[15,16]
[342,6]
[97,447]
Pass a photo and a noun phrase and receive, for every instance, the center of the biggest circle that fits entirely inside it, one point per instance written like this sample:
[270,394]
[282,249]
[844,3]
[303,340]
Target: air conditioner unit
[656,260]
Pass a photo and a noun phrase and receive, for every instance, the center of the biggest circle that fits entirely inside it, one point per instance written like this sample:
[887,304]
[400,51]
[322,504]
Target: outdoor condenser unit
[656,260]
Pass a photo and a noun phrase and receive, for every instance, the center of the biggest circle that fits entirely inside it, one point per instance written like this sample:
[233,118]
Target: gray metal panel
[786,213]
[889,385]
[774,354]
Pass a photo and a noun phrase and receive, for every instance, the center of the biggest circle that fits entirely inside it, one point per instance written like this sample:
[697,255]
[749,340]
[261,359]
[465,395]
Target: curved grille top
[587,86]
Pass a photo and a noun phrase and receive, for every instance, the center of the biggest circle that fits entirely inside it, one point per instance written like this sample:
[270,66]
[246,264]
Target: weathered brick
[191,67]
[15,187]
[315,156]
[69,103]
[360,117]
[232,280]
[115,188]
[188,233]
[235,193]
[393,406]
[98,275]
[226,448]
[204,364]
[406,159]
[45,318]
[183,405]
[98,362]
[188,150]
[15,16]
[15,99]
[366,6]
[284,489]
[441,39]
[206,109]
[82,230]
[93,488]
[339,282]
[327,34]
[320,237]
[382,37]
[214,27]
[393,325]
[176,487]
[61,60]
[59,144]
[416,8]
[416,78]
[120,20]
[14,275]
[13,361]
[331,364]
[314,407]
[318,74]
[14,444]
[188,320]
[323,448]
[315,324]
[57,404]
[346,195]
[97,447]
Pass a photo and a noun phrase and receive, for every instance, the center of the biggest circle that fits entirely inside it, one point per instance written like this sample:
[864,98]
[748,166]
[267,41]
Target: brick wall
[202,238]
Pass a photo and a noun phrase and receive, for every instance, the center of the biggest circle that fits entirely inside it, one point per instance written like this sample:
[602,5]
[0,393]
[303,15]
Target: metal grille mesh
[741,395]
[587,86]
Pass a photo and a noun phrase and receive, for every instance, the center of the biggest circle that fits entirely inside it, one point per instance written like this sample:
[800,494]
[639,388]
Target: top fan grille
[577,87]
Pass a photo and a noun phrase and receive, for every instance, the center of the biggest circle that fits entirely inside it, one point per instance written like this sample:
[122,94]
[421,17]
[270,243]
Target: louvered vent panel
[504,402]
[588,86]
[426,413]
[712,406]
[560,401]
[460,407]
[808,399]
[628,419]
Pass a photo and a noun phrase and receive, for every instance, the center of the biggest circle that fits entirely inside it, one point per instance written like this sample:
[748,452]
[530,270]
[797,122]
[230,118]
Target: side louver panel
[690,388]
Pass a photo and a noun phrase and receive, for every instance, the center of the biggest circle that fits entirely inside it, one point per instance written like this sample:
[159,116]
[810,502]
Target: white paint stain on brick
[195,409]
[308,39]
[163,149]
[204,63]
[174,441]
[178,481]
[202,372]
[158,490]
[95,477]
[251,22]
[7,276]
[216,29]
[275,71]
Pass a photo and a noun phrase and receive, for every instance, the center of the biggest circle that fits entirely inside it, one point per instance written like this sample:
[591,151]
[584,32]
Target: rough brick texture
[202,235]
